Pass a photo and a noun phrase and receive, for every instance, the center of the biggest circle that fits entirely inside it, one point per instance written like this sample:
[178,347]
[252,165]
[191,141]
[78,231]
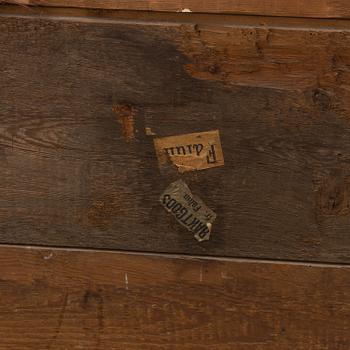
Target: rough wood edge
[284,8]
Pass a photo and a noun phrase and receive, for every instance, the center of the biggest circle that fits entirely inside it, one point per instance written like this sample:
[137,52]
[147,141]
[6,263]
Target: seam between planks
[179,256]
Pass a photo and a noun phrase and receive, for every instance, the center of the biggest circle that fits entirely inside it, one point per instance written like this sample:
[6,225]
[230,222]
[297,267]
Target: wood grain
[290,8]
[79,97]
[61,299]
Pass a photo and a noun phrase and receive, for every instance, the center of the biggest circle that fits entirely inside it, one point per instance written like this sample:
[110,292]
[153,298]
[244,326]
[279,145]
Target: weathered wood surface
[290,8]
[77,168]
[56,299]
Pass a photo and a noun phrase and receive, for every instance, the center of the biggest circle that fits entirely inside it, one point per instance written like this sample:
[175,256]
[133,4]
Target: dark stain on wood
[322,99]
[333,194]
[94,300]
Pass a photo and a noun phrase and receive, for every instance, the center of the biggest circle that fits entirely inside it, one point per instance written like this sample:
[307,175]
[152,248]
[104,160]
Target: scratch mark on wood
[60,321]
[225,276]
[48,257]
[126,282]
[231,309]
[100,317]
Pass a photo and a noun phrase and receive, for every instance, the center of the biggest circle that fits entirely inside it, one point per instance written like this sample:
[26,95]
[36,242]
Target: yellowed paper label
[188,209]
[190,152]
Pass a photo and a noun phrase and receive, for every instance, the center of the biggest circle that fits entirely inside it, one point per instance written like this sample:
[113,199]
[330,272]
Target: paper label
[190,152]
[189,210]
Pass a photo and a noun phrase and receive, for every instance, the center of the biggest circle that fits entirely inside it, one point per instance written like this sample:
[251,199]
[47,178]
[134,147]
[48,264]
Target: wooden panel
[292,8]
[56,299]
[76,171]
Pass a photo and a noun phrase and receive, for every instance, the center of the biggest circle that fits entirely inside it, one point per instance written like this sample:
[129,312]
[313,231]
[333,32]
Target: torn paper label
[189,210]
[190,152]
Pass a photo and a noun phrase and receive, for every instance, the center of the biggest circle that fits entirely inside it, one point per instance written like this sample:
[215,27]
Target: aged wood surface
[82,98]
[292,8]
[57,299]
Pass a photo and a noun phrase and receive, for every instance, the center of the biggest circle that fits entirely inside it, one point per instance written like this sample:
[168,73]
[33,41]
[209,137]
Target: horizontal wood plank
[61,299]
[77,172]
[290,8]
